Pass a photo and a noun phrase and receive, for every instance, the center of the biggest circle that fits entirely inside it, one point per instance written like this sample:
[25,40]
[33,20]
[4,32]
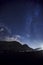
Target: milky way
[24,19]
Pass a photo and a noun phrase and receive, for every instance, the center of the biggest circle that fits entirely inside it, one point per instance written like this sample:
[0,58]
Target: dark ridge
[27,48]
[9,54]
[14,46]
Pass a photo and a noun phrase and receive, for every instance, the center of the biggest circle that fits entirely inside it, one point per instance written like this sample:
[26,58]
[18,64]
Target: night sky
[24,20]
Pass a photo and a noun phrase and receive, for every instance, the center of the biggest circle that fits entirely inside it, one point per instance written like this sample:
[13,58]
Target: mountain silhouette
[38,49]
[14,46]
[27,48]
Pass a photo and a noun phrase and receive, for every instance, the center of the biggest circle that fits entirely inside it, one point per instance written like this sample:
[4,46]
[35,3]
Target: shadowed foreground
[9,55]
[22,58]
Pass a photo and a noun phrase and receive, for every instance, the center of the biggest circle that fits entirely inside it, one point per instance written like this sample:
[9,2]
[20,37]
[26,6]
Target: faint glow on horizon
[41,47]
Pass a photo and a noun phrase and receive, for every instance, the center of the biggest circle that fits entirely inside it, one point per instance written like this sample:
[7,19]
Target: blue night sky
[24,19]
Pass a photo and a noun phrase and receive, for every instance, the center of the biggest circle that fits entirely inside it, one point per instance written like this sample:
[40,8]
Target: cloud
[4,26]
[9,39]
[2,29]
[13,38]
[17,36]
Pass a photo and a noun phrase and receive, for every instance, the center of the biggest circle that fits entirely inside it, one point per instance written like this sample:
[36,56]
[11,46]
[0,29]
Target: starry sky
[24,19]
